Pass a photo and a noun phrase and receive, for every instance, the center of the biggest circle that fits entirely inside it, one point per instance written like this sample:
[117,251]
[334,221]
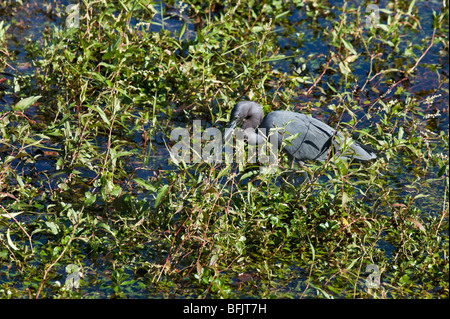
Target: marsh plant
[92,205]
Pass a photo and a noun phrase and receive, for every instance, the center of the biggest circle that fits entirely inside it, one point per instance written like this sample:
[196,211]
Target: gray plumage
[315,139]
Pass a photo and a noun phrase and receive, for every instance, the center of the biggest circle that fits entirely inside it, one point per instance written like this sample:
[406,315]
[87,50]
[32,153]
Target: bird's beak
[230,128]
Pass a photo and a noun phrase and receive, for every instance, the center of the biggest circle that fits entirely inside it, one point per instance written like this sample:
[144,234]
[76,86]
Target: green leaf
[275,58]
[345,199]
[161,193]
[97,76]
[53,227]
[213,260]
[343,66]
[282,14]
[224,171]
[257,29]
[101,113]
[332,88]
[352,263]
[348,46]
[106,227]
[10,242]
[182,31]
[248,174]
[313,251]
[383,27]
[10,215]
[325,294]
[107,65]
[23,104]
[89,198]
[148,186]
[411,6]
[417,223]
[442,171]
[352,58]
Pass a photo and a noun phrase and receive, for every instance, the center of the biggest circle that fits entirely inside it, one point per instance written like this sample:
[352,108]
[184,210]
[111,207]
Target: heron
[310,138]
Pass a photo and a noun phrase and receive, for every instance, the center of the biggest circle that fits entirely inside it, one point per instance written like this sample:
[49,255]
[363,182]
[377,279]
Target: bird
[311,139]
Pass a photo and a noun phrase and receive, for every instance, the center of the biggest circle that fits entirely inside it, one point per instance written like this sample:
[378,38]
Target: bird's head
[245,114]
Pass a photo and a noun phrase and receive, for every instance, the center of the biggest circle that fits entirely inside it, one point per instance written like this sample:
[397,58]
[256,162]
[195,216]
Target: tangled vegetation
[91,205]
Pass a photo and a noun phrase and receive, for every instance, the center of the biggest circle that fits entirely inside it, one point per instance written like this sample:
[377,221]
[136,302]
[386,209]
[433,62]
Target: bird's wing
[315,139]
[304,138]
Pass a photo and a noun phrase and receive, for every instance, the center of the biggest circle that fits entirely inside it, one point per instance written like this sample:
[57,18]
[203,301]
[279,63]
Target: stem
[57,259]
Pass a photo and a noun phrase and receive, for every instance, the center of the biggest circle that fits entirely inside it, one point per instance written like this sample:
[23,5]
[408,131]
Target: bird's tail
[363,152]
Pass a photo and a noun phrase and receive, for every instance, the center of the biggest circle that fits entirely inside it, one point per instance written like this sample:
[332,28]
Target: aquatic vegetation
[93,206]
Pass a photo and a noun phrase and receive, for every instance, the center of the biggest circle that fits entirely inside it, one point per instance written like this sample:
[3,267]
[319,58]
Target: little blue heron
[314,141]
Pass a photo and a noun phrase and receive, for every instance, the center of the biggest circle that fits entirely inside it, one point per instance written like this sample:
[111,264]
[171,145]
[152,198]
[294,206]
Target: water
[296,39]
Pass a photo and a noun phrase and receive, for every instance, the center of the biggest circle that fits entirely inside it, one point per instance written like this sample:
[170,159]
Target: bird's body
[315,140]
